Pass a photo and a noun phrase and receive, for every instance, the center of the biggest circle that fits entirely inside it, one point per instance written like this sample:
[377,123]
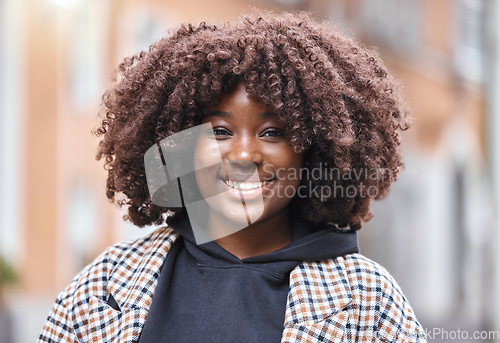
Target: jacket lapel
[131,285]
[109,325]
[317,303]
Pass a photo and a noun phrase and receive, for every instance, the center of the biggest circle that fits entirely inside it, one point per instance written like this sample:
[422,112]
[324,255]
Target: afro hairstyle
[338,103]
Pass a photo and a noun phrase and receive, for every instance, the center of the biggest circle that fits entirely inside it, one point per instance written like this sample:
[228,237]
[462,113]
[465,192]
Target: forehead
[238,101]
[238,94]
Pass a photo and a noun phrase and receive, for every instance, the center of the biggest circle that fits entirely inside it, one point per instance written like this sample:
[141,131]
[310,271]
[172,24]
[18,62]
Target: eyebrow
[223,114]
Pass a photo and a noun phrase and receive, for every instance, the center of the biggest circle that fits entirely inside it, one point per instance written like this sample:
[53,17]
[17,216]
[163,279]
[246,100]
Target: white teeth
[245,185]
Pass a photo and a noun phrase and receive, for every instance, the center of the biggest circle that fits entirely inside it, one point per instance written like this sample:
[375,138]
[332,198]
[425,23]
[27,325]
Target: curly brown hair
[336,99]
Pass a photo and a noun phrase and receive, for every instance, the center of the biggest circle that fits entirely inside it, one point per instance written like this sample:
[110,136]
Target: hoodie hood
[310,242]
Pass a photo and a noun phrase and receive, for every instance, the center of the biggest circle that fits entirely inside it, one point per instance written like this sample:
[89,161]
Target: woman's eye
[273,133]
[219,132]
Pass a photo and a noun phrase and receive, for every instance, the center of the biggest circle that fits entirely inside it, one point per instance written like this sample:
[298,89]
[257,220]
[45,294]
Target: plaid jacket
[347,299]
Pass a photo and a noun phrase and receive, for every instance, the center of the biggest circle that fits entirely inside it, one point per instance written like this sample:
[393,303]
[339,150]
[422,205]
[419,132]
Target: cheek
[206,153]
[288,171]
[207,160]
[292,164]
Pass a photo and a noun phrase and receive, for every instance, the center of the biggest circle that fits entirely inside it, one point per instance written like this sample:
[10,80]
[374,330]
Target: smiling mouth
[246,186]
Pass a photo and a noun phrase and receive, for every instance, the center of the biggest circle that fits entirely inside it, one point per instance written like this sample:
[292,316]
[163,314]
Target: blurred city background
[438,232]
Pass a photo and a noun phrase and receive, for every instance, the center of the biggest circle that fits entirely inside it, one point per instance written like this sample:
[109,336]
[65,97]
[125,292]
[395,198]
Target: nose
[244,151]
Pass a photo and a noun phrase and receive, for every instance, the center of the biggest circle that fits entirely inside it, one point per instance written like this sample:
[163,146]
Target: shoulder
[360,291]
[123,260]
[371,284]
[122,278]
[378,300]
[357,270]
[361,271]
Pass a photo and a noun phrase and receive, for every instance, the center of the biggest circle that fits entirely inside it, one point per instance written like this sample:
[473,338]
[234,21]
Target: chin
[237,212]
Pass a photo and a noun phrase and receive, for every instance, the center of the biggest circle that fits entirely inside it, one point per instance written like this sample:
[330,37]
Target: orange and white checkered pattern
[347,299]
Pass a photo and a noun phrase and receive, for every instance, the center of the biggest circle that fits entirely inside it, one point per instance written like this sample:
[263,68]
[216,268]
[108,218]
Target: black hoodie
[206,294]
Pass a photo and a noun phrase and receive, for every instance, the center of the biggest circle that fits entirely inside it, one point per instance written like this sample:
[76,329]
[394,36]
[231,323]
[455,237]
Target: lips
[243,181]
[245,190]
[245,185]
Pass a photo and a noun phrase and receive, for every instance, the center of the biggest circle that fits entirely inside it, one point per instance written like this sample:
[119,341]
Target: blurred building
[433,232]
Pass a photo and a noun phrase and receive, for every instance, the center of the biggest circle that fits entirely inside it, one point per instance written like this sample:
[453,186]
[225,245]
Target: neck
[259,238]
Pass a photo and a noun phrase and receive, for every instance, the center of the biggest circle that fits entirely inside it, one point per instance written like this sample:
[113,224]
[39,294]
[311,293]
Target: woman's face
[259,173]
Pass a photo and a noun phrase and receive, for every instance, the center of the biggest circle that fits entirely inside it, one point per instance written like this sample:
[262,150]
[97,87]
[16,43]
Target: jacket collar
[318,290]
[142,272]
[318,303]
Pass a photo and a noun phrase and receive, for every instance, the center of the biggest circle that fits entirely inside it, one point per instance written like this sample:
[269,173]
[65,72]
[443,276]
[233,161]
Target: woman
[261,145]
